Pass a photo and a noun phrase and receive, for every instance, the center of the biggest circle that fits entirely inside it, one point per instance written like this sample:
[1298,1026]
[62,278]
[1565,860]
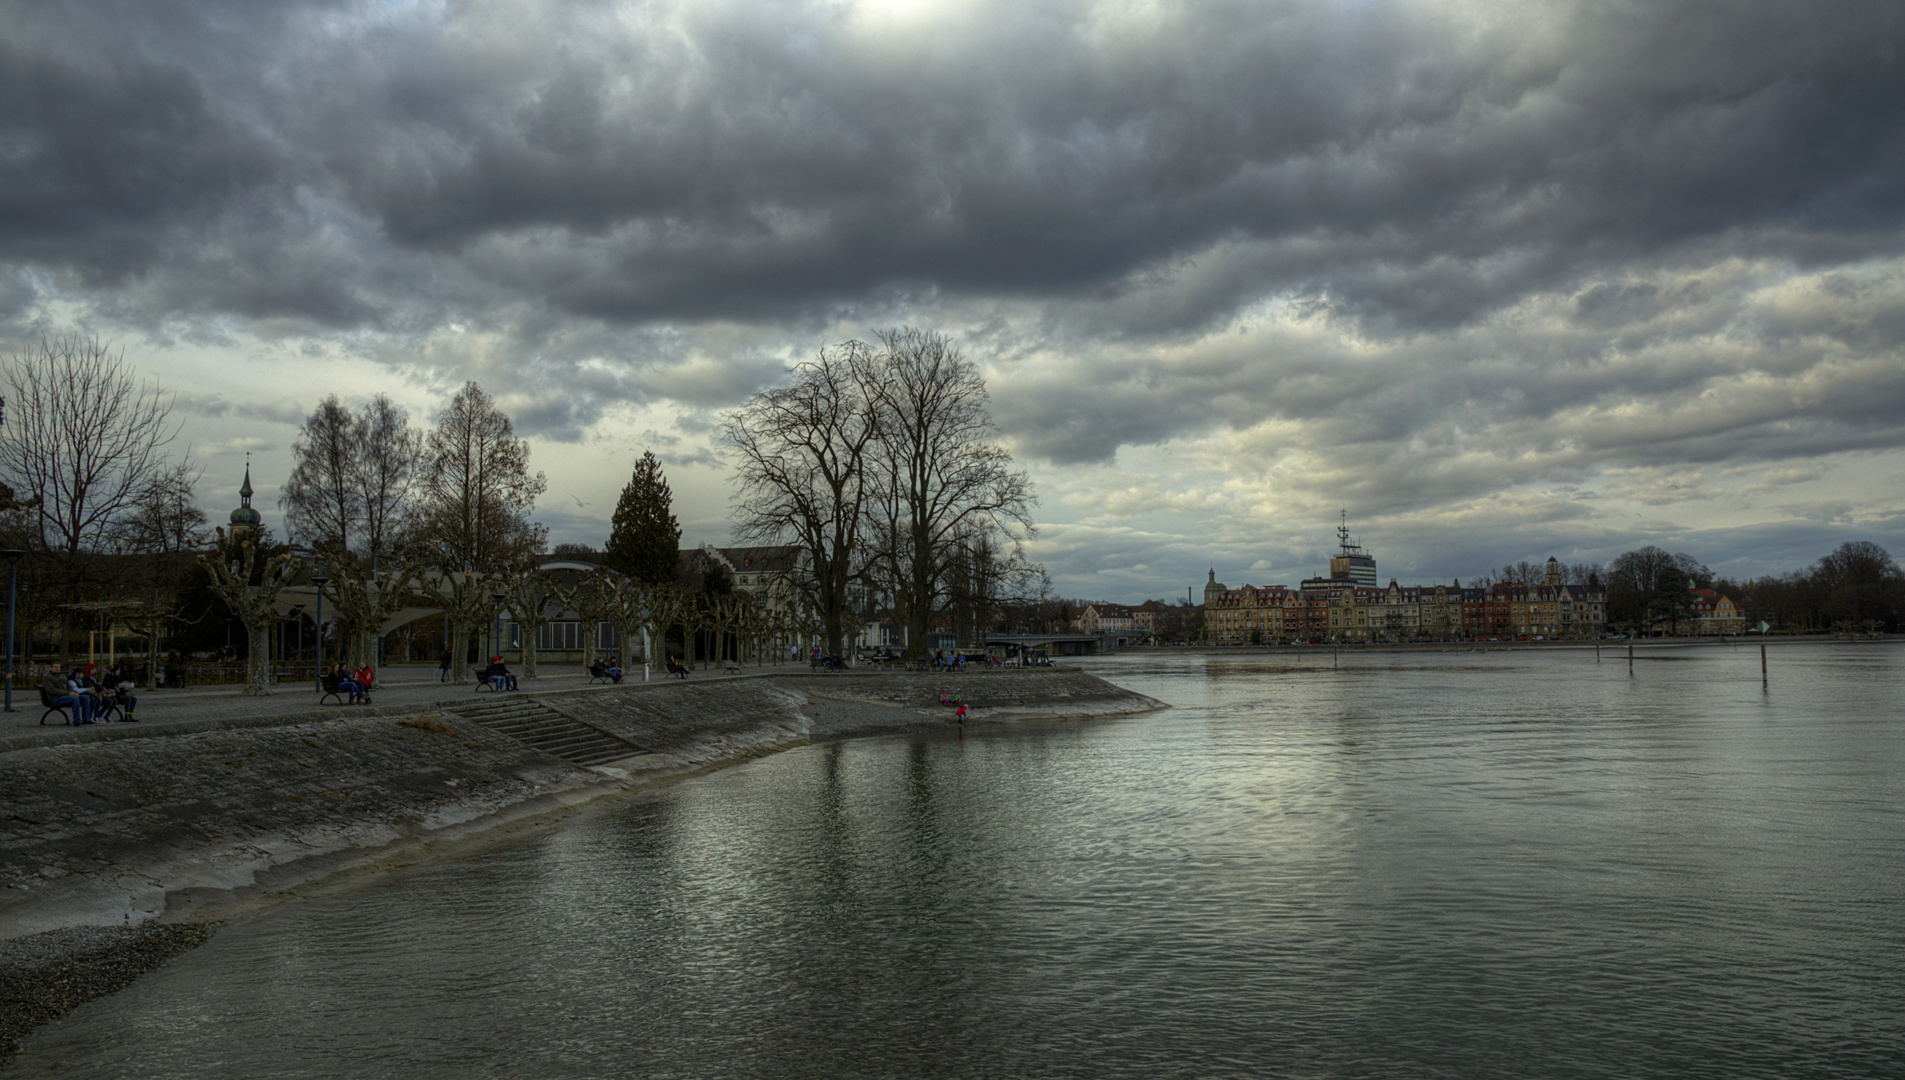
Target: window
[559,637]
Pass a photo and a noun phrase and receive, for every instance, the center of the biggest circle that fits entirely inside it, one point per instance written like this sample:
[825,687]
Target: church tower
[245,520]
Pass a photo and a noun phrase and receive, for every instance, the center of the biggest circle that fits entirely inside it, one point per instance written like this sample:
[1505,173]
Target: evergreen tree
[644,535]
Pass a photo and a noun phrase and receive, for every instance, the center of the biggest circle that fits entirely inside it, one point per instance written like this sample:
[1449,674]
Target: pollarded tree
[945,477]
[803,477]
[250,589]
[536,598]
[644,537]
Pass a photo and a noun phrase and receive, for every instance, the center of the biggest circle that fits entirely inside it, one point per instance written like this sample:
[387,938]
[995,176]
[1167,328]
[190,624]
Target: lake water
[1507,864]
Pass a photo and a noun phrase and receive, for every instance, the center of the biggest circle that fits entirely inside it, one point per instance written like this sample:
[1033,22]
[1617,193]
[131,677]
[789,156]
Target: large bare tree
[475,499]
[87,439]
[351,498]
[803,476]
[945,478]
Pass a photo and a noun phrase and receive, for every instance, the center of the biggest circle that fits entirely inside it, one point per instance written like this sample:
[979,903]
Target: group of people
[605,669]
[355,685]
[959,707]
[498,675]
[85,696]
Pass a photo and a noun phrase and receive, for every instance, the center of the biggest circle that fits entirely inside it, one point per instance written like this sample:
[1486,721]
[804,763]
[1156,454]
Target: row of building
[1349,605]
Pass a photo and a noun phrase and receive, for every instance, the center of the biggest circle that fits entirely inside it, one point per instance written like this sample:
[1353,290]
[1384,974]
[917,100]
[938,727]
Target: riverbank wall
[123,825]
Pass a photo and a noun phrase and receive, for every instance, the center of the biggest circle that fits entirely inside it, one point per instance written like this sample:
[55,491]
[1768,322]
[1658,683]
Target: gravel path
[397,685]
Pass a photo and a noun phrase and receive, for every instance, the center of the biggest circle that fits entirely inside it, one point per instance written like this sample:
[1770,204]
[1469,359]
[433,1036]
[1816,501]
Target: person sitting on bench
[601,670]
[337,682]
[363,677]
[67,694]
[498,675]
[119,684]
[676,669]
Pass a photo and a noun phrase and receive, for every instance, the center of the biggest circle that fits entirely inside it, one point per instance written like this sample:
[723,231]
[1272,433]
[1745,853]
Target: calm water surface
[1458,865]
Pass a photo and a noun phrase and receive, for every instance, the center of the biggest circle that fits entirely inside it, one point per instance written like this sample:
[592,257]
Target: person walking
[443,667]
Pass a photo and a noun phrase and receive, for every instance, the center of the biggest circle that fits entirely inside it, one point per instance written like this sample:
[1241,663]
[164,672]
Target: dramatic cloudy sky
[1502,279]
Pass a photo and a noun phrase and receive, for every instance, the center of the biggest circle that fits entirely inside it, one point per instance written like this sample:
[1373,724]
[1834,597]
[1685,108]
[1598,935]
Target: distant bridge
[1056,644]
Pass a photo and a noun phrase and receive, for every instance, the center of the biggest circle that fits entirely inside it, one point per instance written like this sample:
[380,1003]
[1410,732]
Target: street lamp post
[13,556]
[319,580]
[496,633]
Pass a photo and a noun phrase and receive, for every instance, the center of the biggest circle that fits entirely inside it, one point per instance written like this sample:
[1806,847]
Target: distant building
[1102,618]
[1351,563]
[1336,608]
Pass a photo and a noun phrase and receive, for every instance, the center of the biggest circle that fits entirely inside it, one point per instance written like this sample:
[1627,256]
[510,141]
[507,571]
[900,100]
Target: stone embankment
[119,826]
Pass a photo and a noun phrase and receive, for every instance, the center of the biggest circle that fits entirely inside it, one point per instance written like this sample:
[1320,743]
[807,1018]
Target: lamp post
[496,633]
[319,580]
[13,556]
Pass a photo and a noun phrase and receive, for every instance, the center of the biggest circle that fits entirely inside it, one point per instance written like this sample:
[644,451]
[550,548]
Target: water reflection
[1483,865]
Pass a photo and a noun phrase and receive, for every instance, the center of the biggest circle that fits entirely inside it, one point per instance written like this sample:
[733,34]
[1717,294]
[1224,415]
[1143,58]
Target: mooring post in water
[1333,663]
[1630,658]
[1597,652]
[1762,665]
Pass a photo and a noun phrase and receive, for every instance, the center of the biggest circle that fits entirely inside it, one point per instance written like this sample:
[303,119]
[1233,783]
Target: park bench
[107,711]
[730,667]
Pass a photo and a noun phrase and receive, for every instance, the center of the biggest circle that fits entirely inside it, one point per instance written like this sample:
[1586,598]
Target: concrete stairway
[531,722]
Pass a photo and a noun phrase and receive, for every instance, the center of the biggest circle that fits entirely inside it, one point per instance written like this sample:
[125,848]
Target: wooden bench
[730,667]
[46,699]
[107,709]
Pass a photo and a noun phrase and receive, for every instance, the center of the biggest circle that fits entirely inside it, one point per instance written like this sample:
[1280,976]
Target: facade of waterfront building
[1102,618]
[1337,608]
[1714,613]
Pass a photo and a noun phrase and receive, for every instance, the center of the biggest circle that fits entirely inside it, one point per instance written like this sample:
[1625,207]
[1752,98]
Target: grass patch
[429,722]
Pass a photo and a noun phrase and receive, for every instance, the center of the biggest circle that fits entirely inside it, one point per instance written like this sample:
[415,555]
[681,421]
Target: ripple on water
[1484,865]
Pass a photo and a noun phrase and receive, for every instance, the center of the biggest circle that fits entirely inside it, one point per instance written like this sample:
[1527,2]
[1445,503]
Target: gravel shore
[45,975]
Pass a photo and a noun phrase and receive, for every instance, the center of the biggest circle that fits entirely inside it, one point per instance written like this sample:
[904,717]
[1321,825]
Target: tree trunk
[459,651]
[258,656]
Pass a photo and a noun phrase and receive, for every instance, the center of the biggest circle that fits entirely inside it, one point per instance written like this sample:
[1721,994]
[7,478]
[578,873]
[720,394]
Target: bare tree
[350,498]
[945,478]
[88,440]
[802,477]
[477,490]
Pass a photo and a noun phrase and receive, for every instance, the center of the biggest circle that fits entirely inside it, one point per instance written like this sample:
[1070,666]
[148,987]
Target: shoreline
[138,841]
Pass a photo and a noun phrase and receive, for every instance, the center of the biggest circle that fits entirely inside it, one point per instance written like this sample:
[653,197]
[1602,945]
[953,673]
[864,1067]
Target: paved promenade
[398,684]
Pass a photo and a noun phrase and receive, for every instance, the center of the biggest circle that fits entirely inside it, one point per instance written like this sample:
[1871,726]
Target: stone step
[530,722]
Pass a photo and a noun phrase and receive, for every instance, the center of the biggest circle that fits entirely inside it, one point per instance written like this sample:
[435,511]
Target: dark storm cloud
[730,159]
[1501,241]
